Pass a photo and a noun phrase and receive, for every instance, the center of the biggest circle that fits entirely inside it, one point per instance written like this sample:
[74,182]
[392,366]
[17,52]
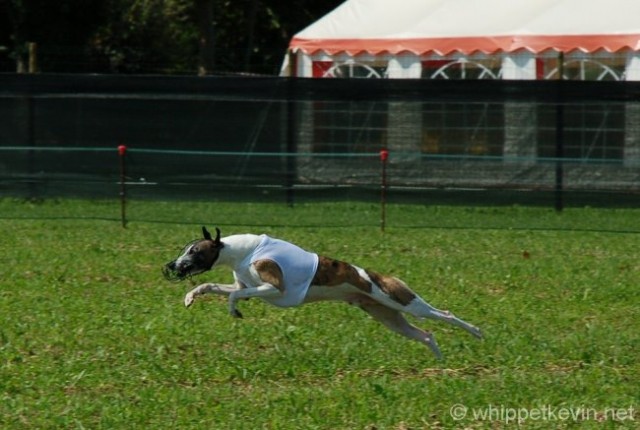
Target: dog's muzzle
[179,272]
[171,272]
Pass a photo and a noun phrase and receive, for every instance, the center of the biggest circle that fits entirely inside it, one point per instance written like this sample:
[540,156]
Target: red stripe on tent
[469,45]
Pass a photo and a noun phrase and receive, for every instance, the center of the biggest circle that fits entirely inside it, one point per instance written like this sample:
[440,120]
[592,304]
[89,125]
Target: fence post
[32,188]
[122,150]
[292,142]
[559,203]
[384,155]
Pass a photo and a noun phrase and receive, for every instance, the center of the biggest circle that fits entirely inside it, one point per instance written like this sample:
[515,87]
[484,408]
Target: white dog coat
[297,265]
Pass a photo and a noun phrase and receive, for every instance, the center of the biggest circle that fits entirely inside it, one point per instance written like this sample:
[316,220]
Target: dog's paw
[189,299]
[477,333]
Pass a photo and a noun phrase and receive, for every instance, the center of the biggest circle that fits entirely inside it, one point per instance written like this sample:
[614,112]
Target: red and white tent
[513,39]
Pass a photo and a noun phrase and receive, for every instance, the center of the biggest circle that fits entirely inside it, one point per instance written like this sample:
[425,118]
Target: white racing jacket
[298,269]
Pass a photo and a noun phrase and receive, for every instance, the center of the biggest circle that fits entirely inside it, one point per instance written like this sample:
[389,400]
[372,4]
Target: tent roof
[470,26]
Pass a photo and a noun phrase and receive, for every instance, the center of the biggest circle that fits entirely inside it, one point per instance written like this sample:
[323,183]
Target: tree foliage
[154,36]
[145,35]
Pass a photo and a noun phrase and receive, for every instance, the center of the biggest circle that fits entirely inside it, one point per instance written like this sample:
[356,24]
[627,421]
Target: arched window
[353,69]
[461,68]
[588,70]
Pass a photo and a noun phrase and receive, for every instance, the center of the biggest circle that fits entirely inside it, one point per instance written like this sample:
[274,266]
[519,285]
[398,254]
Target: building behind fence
[228,138]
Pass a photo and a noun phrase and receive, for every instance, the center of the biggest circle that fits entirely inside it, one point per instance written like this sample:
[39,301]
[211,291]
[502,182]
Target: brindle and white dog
[285,275]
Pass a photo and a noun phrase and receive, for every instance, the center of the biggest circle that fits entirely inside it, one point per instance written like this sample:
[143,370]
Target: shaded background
[153,36]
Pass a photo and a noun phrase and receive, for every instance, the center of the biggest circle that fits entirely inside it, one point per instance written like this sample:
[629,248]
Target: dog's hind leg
[395,294]
[421,309]
[395,321]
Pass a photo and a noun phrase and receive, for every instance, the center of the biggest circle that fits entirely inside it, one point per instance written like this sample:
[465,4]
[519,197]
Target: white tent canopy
[465,28]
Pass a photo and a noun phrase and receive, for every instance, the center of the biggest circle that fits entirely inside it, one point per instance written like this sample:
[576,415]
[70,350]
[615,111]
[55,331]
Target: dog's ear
[217,241]
[206,234]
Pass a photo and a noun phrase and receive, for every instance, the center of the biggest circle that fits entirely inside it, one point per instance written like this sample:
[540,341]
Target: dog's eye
[193,250]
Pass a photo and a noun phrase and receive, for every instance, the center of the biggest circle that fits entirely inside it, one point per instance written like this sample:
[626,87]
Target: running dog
[285,275]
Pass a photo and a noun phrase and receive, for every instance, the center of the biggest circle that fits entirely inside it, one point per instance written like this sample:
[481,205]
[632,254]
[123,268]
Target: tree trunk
[206,56]
[16,14]
[251,30]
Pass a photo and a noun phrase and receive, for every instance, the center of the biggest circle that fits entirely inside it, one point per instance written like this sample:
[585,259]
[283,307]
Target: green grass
[92,336]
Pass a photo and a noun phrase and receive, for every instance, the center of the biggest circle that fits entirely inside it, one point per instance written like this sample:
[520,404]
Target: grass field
[92,336]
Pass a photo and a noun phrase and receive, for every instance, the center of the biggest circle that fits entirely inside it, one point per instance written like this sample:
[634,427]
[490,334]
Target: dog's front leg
[265,290]
[200,290]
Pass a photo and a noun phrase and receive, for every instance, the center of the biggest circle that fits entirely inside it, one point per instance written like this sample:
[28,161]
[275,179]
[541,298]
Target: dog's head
[196,257]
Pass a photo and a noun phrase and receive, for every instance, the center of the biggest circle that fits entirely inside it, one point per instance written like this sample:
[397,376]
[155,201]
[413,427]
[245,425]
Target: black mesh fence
[233,138]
